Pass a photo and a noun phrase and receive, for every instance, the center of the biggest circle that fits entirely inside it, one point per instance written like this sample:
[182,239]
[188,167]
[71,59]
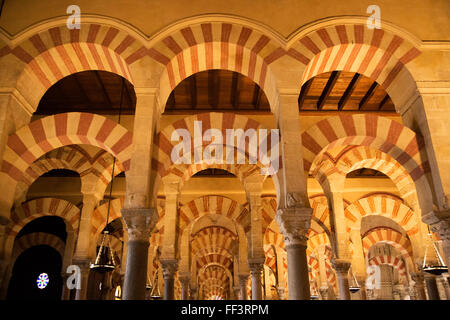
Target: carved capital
[294,224]
[243,279]
[140,222]
[439,222]
[184,278]
[256,265]
[169,268]
[341,266]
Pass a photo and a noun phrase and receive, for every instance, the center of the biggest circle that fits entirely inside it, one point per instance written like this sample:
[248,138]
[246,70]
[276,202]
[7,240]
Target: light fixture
[155,293]
[104,262]
[355,287]
[439,269]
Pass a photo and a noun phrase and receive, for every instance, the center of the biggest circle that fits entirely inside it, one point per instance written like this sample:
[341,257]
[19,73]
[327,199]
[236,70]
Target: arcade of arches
[87,117]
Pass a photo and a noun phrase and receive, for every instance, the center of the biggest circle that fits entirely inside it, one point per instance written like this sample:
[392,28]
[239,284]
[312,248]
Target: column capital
[341,265]
[184,277]
[439,222]
[256,265]
[294,223]
[169,268]
[243,279]
[140,222]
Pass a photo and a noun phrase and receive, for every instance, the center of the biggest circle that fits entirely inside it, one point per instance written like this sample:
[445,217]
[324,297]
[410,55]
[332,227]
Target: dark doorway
[27,268]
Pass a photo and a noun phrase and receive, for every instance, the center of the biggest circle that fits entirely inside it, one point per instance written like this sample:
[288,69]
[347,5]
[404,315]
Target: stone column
[432,289]
[419,285]
[243,280]
[362,284]
[184,280]
[281,293]
[256,266]
[342,267]
[323,291]
[169,268]
[386,275]
[140,223]
[193,292]
[294,223]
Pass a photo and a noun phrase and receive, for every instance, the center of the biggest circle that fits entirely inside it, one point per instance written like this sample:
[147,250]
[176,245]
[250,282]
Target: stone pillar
[294,223]
[281,293]
[323,291]
[236,290]
[169,268]
[419,285]
[243,280]
[362,284]
[342,267]
[140,223]
[184,280]
[193,292]
[256,266]
[386,275]
[84,240]
[432,289]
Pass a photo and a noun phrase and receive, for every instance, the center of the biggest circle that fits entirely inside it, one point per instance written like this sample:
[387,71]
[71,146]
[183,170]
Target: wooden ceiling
[344,91]
[213,90]
[89,91]
[217,90]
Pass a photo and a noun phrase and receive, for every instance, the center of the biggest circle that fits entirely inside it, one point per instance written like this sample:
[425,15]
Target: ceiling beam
[257,94]
[304,93]
[235,89]
[348,92]
[383,102]
[367,96]
[193,90]
[213,88]
[102,85]
[327,90]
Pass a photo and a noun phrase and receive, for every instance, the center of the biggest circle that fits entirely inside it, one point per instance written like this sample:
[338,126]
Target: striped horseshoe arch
[382,206]
[46,134]
[98,220]
[40,207]
[390,236]
[357,157]
[162,161]
[57,52]
[378,53]
[212,204]
[217,45]
[36,239]
[379,133]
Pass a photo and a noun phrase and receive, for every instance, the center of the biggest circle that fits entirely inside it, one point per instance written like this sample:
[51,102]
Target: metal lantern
[104,262]
[436,270]
[155,294]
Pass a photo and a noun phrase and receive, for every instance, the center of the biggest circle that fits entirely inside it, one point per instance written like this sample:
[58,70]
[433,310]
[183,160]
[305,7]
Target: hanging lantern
[155,294]
[438,269]
[355,287]
[104,262]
